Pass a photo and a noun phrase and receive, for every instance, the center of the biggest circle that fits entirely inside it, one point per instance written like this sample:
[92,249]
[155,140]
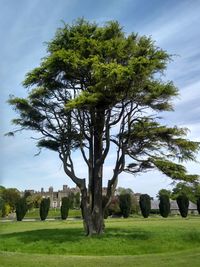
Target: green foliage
[145,205]
[2,188]
[21,208]
[125,204]
[135,207]
[183,204]
[91,92]
[65,208]
[122,190]
[10,196]
[174,170]
[113,208]
[77,200]
[198,205]
[191,190]
[164,192]
[6,209]
[164,205]
[44,208]
[106,68]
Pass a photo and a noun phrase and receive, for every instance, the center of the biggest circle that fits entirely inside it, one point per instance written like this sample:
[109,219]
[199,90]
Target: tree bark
[92,210]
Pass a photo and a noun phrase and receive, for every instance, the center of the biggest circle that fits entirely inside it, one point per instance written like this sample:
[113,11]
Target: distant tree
[183,204]
[65,208]
[71,197]
[125,204]
[122,191]
[135,207]
[44,208]
[2,188]
[98,88]
[6,209]
[21,208]
[37,200]
[164,192]
[29,200]
[27,194]
[145,205]
[185,188]
[10,196]
[164,205]
[198,205]
[1,205]
[77,200]
[113,208]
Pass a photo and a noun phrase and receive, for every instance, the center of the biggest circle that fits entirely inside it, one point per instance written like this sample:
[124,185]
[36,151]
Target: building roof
[173,205]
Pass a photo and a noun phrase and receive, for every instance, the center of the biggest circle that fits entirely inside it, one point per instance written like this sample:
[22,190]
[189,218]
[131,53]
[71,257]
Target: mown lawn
[53,213]
[126,242]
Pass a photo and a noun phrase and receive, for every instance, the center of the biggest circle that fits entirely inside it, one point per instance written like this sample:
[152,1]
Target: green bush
[145,205]
[183,204]
[2,202]
[65,208]
[21,208]
[164,206]
[6,209]
[114,208]
[198,204]
[125,204]
[44,208]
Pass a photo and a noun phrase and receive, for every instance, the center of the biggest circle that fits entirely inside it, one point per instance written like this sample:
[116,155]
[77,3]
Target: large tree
[99,89]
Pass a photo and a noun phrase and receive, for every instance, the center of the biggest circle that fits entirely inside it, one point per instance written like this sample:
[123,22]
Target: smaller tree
[44,208]
[77,201]
[145,205]
[65,208]
[113,208]
[185,188]
[1,205]
[164,206]
[125,204]
[71,197]
[135,207]
[183,204]
[164,192]
[6,209]
[21,208]
[198,205]
[11,197]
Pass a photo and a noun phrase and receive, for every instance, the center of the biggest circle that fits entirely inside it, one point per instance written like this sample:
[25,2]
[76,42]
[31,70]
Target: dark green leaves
[50,144]
[174,170]
[91,69]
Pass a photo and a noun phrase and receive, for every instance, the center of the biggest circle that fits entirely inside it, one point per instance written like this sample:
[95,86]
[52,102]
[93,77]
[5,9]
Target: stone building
[55,196]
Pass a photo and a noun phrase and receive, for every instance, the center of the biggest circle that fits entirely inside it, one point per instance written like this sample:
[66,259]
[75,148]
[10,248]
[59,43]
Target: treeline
[12,201]
[124,203]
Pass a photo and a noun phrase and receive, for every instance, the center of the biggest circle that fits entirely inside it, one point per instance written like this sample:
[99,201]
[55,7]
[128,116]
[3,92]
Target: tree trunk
[97,211]
[92,202]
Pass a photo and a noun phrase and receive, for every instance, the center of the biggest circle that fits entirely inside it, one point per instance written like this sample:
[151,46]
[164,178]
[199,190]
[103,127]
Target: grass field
[53,213]
[126,242]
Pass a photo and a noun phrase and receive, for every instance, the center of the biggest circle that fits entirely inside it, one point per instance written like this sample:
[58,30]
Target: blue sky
[27,24]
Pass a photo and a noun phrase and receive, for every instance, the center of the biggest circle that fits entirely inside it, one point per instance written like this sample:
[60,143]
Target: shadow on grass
[74,235]
[128,234]
[54,235]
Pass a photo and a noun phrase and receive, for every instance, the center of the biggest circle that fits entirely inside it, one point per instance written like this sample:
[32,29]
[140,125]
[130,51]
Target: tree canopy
[96,89]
